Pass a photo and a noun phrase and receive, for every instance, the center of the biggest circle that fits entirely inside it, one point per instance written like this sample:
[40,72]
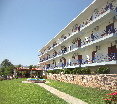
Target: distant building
[89,40]
[26,72]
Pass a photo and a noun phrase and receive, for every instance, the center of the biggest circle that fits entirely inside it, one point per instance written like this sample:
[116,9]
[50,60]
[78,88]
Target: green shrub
[68,71]
[86,71]
[56,71]
[82,71]
[77,71]
[103,70]
[50,71]
[71,71]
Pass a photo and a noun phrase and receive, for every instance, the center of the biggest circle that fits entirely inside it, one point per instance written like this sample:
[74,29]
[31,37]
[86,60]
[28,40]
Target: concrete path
[66,97]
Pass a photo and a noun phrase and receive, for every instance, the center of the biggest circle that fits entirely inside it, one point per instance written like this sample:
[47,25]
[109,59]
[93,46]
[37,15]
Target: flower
[114,93]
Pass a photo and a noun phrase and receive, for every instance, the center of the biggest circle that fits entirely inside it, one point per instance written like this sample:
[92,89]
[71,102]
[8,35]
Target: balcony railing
[98,13]
[97,59]
[89,39]
[81,26]
[93,38]
[102,11]
[92,18]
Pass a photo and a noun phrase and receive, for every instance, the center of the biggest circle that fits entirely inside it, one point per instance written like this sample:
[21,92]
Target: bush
[50,71]
[77,71]
[1,78]
[56,71]
[71,71]
[103,70]
[86,71]
[82,71]
[68,71]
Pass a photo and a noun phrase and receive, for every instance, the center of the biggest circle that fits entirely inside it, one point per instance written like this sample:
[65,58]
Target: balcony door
[93,56]
[79,42]
[80,59]
[112,52]
[110,28]
[54,63]
[63,62]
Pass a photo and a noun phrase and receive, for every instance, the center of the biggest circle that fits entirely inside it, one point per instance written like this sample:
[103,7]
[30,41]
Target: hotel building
[89,40]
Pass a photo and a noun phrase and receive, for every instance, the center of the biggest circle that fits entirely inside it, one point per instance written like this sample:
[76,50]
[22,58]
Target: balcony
[40,54]
[89,25]
[97,37]
[100,37]
[54,44]
[109,59]
[103,15]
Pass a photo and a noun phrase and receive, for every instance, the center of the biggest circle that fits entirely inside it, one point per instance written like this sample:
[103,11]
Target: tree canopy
[18,66]
[6,63]
[6,68]
[31,66]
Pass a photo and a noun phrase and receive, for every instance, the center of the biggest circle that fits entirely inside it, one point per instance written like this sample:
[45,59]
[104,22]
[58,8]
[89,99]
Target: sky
[27,25]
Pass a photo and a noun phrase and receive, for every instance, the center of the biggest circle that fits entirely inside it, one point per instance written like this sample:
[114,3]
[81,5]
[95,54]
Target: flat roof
[24,69]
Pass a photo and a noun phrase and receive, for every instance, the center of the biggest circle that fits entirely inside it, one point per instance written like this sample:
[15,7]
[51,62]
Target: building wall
[86,52]
[113,68]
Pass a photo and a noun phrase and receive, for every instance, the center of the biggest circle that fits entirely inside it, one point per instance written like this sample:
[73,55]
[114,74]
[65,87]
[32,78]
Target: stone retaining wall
[102,81]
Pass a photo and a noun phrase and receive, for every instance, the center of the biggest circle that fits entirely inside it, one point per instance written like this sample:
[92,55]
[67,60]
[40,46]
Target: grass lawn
[15,92]
[89,95]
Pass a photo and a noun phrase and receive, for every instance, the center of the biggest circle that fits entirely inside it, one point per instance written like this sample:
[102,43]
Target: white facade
[89,40]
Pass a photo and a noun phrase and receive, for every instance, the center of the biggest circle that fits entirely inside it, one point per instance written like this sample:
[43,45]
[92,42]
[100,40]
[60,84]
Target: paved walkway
[66,97]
